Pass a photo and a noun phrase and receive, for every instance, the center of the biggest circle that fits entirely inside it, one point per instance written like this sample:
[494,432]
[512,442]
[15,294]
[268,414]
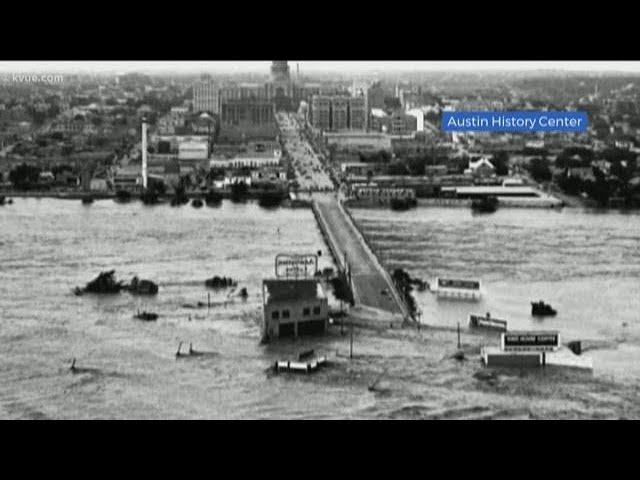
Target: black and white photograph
[319,240]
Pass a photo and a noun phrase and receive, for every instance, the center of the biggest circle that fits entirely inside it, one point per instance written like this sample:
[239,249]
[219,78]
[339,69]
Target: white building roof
[479,163]
[193,146]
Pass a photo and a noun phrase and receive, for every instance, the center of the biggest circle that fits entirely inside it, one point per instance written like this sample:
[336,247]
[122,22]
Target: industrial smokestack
[144,153]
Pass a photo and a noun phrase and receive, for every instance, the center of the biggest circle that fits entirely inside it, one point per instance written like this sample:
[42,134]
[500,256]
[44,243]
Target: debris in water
[105,282]
[459,355]
[541,309]
[142,287]
[575,347]
[220,282]
[486,375]
[146,316]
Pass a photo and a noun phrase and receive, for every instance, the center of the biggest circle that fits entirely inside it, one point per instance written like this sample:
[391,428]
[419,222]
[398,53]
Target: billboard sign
[460,284]
[296,266]
[538,341]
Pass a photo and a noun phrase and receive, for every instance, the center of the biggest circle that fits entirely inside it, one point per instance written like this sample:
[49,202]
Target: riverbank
[503,202]
[162,199]
[574,201]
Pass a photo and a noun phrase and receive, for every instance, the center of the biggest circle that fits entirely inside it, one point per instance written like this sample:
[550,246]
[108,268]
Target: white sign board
[530,341]
[296,265]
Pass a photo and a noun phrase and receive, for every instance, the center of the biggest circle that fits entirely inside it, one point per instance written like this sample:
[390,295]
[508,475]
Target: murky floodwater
[127,368]
[585,263]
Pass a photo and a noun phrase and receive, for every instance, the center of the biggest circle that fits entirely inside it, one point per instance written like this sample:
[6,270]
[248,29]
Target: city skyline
[314,66]
[351,242]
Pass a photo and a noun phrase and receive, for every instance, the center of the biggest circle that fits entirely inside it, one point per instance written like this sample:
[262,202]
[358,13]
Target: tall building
[375,96]
[250,107]
[247,111]
[246,104]
[205,97]
[338,112]
[280,71]
[357,113]
[321,112]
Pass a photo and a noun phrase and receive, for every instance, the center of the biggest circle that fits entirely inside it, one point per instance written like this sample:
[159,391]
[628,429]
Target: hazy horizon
[314,67]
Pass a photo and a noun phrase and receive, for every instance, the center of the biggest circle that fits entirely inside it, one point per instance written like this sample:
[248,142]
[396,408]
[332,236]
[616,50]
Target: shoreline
[137,196]
[569,202]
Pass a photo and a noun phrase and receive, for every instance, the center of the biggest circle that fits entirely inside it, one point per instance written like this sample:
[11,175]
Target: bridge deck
[368,281]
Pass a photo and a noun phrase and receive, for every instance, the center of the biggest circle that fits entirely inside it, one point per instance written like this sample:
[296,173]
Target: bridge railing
[338,255]
[391,284]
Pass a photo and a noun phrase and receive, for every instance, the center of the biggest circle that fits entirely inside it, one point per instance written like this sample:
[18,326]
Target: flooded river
[584,264]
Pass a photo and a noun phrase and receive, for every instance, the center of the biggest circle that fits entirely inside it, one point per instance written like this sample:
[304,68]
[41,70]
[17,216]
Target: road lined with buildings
[311,173]
[372,285]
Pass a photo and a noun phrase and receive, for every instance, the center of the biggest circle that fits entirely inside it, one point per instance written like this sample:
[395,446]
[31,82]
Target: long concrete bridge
[374,292]
[371,283]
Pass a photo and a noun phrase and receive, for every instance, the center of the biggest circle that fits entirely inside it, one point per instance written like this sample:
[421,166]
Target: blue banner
[519,121]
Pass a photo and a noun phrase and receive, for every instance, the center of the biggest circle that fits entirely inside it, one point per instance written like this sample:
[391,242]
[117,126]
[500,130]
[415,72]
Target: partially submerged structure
[106,282]
[294,307]
[457,289]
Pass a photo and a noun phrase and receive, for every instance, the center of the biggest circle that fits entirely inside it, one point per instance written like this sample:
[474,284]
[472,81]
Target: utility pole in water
[351,342]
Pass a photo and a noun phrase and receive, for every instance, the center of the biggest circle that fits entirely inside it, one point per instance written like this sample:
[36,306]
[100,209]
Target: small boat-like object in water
[146,316]
[87,200]
[541,309]
[197,203]
[487,321]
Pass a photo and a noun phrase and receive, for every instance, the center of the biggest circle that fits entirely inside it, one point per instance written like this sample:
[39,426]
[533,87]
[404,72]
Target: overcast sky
[262,67]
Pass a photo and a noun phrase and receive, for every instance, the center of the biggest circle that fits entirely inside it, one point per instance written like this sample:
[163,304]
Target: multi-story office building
[357,113]
[376,95]
[247,111]
[321,112]
[338,113]
[205,97]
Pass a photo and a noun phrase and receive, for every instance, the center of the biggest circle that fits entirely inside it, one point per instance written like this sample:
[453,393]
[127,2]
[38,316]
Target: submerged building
[293,308]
